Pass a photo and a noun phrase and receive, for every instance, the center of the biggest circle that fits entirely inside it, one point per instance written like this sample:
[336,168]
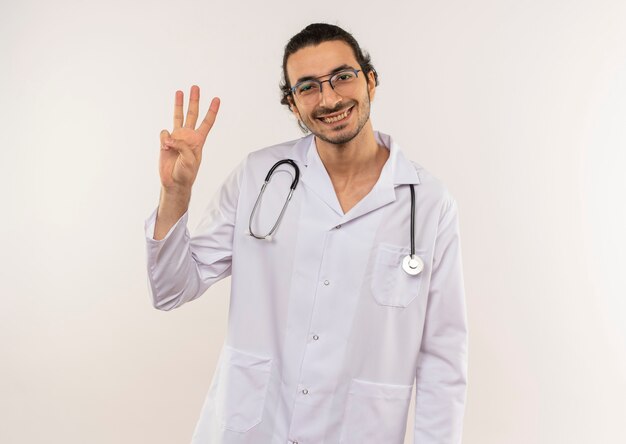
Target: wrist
[175,199]
[176,193]
[173,204]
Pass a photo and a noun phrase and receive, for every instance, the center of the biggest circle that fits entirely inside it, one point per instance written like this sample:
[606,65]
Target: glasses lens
[343,81]
[308,90]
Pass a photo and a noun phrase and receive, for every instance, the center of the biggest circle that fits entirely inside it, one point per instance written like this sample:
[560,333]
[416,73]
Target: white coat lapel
[396,171]
[316,178]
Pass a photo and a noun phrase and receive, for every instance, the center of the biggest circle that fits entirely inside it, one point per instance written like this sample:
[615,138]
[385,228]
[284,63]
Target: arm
[182,267]
[441,375]
[179,268]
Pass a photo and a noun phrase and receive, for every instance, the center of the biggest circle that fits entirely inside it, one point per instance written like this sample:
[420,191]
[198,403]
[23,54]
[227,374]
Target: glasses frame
[319,82]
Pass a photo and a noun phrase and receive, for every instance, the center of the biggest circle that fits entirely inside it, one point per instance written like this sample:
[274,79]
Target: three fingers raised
[193,111]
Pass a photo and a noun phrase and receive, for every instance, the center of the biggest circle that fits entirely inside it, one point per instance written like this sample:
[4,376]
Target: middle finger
[192,110]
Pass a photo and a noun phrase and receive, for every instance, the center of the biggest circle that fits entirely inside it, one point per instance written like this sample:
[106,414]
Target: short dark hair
[317,33]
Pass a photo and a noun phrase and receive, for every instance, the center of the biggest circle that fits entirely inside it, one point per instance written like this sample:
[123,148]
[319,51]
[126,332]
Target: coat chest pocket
[375,413]
[390,284]
[242,388]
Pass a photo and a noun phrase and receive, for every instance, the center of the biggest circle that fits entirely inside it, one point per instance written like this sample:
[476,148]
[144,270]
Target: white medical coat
[326,333]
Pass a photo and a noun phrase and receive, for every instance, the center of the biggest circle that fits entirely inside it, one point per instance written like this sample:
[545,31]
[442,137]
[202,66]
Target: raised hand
[179,160]
[181,151]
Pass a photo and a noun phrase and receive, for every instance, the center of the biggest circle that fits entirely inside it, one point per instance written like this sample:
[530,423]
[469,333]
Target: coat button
[327,282]
[316,337]
[305,392]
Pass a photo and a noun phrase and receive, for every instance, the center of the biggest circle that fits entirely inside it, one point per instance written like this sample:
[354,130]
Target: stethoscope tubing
[412,264]
[268,178]
[296,179]
[412,220]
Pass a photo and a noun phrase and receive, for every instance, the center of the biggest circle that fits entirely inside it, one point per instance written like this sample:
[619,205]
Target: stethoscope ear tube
[296,179]
[268,177]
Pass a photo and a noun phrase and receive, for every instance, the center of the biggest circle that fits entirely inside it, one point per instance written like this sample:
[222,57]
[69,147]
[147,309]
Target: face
[333,118]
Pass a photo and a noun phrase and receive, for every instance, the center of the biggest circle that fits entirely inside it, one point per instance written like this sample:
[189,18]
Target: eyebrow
[334,71]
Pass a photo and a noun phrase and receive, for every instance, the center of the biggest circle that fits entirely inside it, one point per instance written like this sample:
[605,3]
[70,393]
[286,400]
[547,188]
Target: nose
[329,96]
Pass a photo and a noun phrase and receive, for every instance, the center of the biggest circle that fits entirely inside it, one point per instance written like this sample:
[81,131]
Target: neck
[359,156]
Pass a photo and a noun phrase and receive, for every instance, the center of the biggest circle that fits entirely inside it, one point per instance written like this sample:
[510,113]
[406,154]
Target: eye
[345,76]
[305,88]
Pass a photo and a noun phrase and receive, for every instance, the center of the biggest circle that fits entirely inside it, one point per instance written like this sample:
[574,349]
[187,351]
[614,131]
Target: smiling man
[347,287]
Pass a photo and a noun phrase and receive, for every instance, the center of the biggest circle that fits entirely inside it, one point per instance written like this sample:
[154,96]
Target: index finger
[209,119]
[178,110]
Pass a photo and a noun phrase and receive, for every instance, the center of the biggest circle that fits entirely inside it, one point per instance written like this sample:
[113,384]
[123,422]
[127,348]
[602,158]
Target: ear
[371,84]
[293,107]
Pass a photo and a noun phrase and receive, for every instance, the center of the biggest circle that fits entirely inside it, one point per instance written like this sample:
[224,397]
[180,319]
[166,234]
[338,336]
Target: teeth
[337,118]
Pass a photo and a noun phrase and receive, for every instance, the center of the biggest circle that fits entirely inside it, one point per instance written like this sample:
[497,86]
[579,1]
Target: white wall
[519,107]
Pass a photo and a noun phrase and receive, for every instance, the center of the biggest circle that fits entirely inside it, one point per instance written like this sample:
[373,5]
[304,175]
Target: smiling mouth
[337,117]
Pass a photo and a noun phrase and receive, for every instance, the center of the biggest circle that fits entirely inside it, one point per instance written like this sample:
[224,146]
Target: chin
[337,139]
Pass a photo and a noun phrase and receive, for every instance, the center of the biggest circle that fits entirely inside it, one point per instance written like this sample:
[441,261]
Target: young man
[344,294]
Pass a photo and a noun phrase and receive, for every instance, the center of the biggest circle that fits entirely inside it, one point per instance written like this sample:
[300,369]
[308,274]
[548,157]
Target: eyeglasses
[342,82]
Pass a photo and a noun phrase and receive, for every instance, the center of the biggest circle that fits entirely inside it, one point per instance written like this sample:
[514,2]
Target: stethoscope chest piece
[413,265]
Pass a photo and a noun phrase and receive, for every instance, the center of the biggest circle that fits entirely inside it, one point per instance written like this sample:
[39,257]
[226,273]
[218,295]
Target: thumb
[165,134]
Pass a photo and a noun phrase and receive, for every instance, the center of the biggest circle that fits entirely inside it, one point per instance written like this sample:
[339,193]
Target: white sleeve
[182,267]
[441,376]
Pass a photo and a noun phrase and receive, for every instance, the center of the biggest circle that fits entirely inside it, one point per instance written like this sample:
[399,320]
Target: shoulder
[275,152]
[430,188]
[258,163]
[433,189]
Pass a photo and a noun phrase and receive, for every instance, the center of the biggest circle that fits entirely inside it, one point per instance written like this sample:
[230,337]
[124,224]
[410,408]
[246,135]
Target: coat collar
[396,171]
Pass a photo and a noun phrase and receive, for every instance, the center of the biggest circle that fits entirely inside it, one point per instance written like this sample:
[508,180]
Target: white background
[519,107]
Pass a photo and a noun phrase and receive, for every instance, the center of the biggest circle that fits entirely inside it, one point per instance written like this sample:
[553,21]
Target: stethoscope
[411,263]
